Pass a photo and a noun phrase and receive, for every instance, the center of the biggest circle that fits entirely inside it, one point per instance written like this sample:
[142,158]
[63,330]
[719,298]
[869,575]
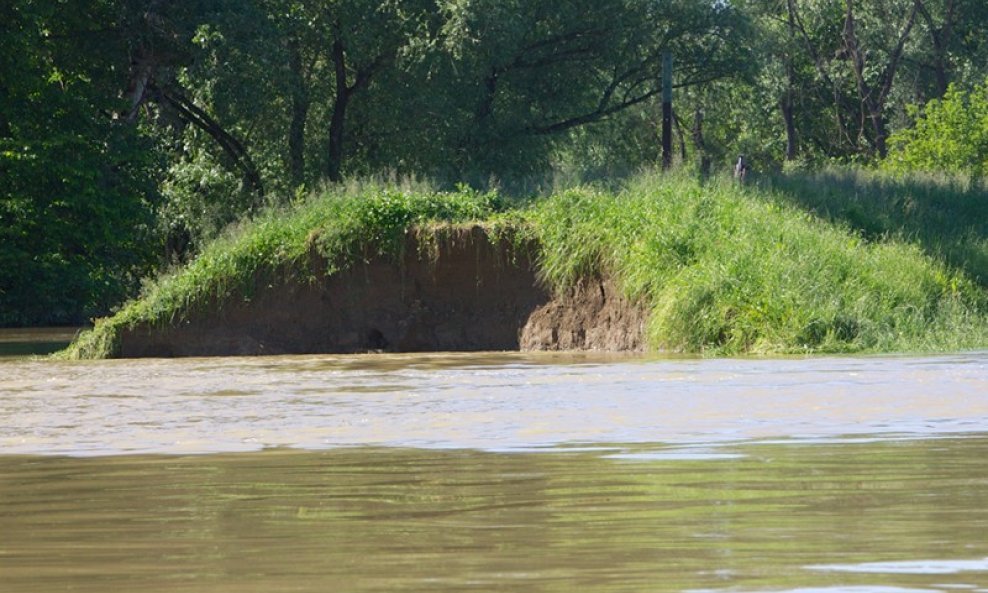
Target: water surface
[35,341]
[495,472]
[498,402]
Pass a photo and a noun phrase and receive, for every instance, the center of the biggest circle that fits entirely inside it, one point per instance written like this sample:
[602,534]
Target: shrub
[950,135]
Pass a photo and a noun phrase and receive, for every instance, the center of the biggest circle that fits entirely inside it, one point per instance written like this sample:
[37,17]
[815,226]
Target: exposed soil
[463,293]
[592,315]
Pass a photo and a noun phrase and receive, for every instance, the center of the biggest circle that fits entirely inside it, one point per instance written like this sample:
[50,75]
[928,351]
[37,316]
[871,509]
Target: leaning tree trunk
[235,151]
[299,113]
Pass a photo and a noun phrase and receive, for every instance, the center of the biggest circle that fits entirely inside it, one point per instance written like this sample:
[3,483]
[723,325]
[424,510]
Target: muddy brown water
[495,472]
[35,341]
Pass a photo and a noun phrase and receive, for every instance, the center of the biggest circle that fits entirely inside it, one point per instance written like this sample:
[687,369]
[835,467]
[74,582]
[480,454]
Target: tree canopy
[132,131]
[950,134]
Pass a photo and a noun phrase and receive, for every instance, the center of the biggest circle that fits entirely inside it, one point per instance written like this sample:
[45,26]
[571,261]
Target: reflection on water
[495,472]
[35,341]
[914,567]
[448,520]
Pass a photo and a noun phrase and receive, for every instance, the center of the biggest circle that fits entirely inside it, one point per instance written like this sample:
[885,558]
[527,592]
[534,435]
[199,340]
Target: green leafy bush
[950,135]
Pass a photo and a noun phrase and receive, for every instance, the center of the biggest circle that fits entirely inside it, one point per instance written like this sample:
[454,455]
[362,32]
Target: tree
[950,134]
[884,44]
[539,70]
[842,56]
[950,46]
[76,185]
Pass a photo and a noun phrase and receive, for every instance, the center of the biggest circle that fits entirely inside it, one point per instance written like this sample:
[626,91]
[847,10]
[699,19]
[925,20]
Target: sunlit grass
[731,270]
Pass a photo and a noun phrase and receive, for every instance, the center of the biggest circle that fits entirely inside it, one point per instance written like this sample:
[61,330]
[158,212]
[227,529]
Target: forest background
[133,131]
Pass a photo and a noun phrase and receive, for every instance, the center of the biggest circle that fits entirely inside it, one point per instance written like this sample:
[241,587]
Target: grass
[946,216]
[340,225]
[781,267]
[731,270]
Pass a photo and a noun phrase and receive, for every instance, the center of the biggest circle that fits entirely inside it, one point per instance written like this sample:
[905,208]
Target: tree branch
[232,147]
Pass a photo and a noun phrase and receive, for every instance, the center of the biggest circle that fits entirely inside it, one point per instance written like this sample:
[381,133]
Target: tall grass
[724,269]
[728,271]
[945,215]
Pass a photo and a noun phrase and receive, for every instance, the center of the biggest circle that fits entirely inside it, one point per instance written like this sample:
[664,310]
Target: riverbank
[449,288]
[663,263]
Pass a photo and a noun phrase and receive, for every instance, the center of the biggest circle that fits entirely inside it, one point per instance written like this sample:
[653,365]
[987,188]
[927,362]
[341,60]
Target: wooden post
[666,109]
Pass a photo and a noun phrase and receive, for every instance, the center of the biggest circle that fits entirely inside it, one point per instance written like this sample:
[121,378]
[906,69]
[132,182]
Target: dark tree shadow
[947,218]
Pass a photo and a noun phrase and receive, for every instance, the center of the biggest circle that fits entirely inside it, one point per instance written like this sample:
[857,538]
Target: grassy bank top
[825,263]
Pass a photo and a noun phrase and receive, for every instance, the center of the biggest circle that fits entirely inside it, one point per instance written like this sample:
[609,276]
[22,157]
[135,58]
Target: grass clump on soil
[724,269]
[331,230]
[729,270]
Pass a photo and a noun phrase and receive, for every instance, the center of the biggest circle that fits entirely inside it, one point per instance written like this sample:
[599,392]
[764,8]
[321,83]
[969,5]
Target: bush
[950,135]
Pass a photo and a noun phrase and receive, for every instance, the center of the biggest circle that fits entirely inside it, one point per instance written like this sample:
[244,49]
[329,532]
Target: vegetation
[944,215]
[951,134]
[725,269]
[339,226]
[134,132]
[77,192]
[732,271]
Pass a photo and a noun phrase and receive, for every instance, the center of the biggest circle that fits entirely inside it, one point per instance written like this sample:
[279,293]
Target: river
[495,472]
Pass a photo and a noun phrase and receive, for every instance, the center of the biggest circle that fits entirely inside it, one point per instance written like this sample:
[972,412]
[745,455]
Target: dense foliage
[133,131]
[951,134]
[76,189]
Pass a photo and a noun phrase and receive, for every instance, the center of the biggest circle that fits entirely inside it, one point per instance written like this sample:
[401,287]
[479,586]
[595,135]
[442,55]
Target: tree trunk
[681,135]
[881,133]
[138,87]
[5,131]
[300,111]
[940,38]
[345,92]
[787,104]
[335,165]
[699,143]
[788,116]
[340,102]
[485,108]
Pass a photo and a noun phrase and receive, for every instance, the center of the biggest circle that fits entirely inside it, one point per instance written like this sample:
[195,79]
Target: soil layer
[458,291]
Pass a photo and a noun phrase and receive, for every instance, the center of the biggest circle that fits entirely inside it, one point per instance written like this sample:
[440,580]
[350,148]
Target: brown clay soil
[464,293]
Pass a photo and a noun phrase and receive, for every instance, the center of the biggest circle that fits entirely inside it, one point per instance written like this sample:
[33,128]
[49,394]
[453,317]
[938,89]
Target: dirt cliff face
[464,292]
[592,315]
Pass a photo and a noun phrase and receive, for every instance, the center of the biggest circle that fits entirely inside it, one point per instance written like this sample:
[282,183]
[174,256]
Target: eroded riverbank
[456,290]
[664,265]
